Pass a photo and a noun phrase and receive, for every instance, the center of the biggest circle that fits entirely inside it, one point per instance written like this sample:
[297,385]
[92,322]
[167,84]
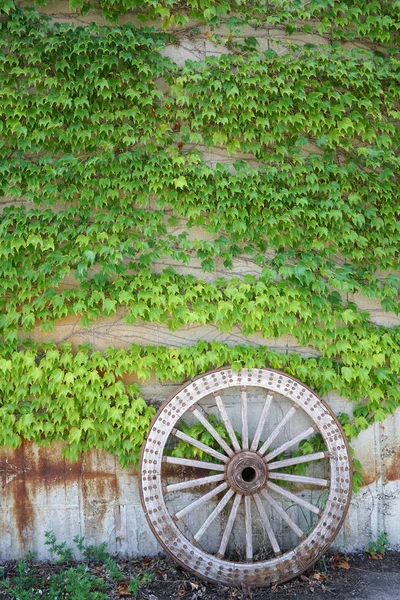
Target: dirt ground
[355,577]
[334,576]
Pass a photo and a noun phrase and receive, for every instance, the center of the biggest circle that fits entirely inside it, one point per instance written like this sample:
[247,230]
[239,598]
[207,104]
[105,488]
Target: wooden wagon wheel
[234,512]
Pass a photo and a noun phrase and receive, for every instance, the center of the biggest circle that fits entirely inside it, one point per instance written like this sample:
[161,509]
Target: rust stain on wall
[369,477]
[52,469]
[29,471]
[100,494]
[393,468]
[368,472]
[23,510]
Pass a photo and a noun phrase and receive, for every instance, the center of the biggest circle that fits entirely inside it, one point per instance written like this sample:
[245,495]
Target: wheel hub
[246,472]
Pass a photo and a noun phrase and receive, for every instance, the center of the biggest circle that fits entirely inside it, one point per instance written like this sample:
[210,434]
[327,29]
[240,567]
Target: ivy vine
[103,180]
[367,20]
[49,393]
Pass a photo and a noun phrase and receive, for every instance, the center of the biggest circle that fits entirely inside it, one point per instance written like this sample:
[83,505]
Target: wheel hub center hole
[248,474]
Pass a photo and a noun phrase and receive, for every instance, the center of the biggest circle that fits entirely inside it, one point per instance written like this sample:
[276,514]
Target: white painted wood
[261,422]
[229,526]
[185,485]
[290,443]
[293,526]
[213,431]
[299,479]
[227,423]
[277,429]
[267,525]
[245,424]
[217,510]
[293,497]
[198,464]
[190,507]
[200,445]
[288,462]
[248,528]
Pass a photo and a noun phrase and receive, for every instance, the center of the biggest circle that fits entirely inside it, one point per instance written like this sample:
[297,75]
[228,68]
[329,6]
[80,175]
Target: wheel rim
[229,521]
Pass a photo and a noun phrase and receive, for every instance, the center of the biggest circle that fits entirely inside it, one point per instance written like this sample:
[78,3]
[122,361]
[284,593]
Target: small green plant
[98,554]
[90,553]
[76,583]
[140,580]
[23,584]
[114,571]
[379,547]
[322,566]
[64,554]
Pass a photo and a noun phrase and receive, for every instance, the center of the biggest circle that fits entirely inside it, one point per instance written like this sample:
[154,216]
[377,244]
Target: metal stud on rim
[227,515]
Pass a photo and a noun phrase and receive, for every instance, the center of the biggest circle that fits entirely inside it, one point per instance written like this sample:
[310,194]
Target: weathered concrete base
[376,508]
[97,499]
[93,497]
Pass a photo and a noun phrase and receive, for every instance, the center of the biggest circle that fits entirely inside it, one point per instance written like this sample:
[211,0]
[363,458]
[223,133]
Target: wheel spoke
[267,525]
[249,533]
[213,431]
[291,443]
[283,514]
[229,526]
[185,485]
[198,464]
[294,498]
[261,422]
[199,445]
[277,429]
[245,426]
[279,464]
[221,504]
[299,479]
[227,423]
[200,501]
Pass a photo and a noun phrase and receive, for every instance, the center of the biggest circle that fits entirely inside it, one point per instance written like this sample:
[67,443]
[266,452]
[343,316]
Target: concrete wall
[94,497]
[97,499]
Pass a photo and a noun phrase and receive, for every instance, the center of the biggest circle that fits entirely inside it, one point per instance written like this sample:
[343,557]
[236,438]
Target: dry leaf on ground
[318,576]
